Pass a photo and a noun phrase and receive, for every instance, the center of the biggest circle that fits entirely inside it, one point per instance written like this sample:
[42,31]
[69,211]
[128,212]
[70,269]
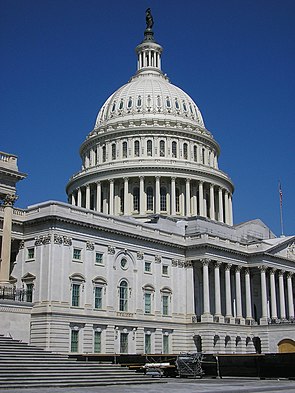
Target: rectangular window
[165,343]
[31,253]
[98,298]
[97,342]
[29,293]
[165,270]
[124,343]
[147,303]
[75,295]
[165,303]
[77,254]
[147,267]
[74,340]
[98,258]
[147,343]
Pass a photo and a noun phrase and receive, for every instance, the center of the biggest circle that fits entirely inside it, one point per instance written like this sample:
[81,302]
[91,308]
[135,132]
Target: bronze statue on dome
[149,19]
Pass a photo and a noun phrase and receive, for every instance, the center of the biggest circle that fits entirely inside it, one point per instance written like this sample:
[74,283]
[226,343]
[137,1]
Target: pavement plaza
[240,385]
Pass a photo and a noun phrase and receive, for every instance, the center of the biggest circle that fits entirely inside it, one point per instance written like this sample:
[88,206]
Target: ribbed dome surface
[148,94]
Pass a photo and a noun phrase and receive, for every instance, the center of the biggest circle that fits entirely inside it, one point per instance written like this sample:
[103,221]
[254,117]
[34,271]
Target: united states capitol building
[145,256]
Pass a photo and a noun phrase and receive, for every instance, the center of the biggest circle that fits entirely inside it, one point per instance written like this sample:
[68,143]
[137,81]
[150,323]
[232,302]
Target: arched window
[184,106]
[121,104]
[139,102]
[124,148]
[203,155]
[113,151]
[176,104]
[163,199]
[123,296]
[149,199]
[104,155]
[195,153]
[149,147]
[136,148]
[136,199]
[162,148]
[185,151]
[129,105]
[114,106]
[174,149]
[158,101]
[177,204]
[168,102]
[122,200]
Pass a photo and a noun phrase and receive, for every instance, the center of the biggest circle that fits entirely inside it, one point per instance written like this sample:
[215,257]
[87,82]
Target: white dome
[149,94]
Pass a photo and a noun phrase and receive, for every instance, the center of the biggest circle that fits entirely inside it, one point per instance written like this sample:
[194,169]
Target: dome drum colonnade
[277,305]
[150,153]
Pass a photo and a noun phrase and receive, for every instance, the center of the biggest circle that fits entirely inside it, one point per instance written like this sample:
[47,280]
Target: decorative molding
[291,251]
[59,239]
[89,246]
[9,200]
[158,258]
[181,263]
[111,250]
[139,255]
[42,240]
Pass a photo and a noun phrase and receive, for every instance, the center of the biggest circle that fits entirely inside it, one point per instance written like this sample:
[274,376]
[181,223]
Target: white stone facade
[145,257]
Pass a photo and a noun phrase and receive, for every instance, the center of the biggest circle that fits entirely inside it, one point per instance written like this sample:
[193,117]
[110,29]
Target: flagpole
[281,209]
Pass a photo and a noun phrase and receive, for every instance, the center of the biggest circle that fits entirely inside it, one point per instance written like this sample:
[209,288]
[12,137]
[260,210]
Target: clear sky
[61,59]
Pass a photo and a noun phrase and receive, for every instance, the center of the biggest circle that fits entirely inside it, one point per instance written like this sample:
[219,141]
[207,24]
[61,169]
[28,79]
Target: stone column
[273,297]
[290,296]
[228,304]
[220,205]
[217,289]
[141,196]
[201,199]
[188,197]
[87,196]
[238,292]
[230,209]
[206,294]
[126,196]
[8,203]
[173,197]
[79,197]
[157,195]
[282,295]
[226,212]
[263,318]
[98,196]
[73,203]
[111,196]
[212,204]
[195,203]
[248,294]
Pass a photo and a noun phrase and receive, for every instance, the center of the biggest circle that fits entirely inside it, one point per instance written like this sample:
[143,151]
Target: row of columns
[193,199]
[198,153]
[238,293]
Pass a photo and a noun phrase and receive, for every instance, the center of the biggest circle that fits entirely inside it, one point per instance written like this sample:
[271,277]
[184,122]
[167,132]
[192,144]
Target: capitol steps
[24,366]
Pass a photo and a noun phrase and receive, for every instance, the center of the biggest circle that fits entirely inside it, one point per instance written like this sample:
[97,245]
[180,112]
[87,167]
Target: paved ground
[237,385]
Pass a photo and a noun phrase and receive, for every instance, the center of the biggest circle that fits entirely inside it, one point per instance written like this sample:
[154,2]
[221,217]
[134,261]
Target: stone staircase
[24,366]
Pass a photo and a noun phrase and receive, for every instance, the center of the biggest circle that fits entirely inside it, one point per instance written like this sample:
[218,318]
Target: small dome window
[114,106]
[176,103]
[184,106]
[129,103]
[158,101]
[121,104]
[191,108]
[168,102]
[139,101]
[149,101]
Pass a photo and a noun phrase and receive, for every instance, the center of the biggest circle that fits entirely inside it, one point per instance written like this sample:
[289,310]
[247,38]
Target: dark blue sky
[61,59]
